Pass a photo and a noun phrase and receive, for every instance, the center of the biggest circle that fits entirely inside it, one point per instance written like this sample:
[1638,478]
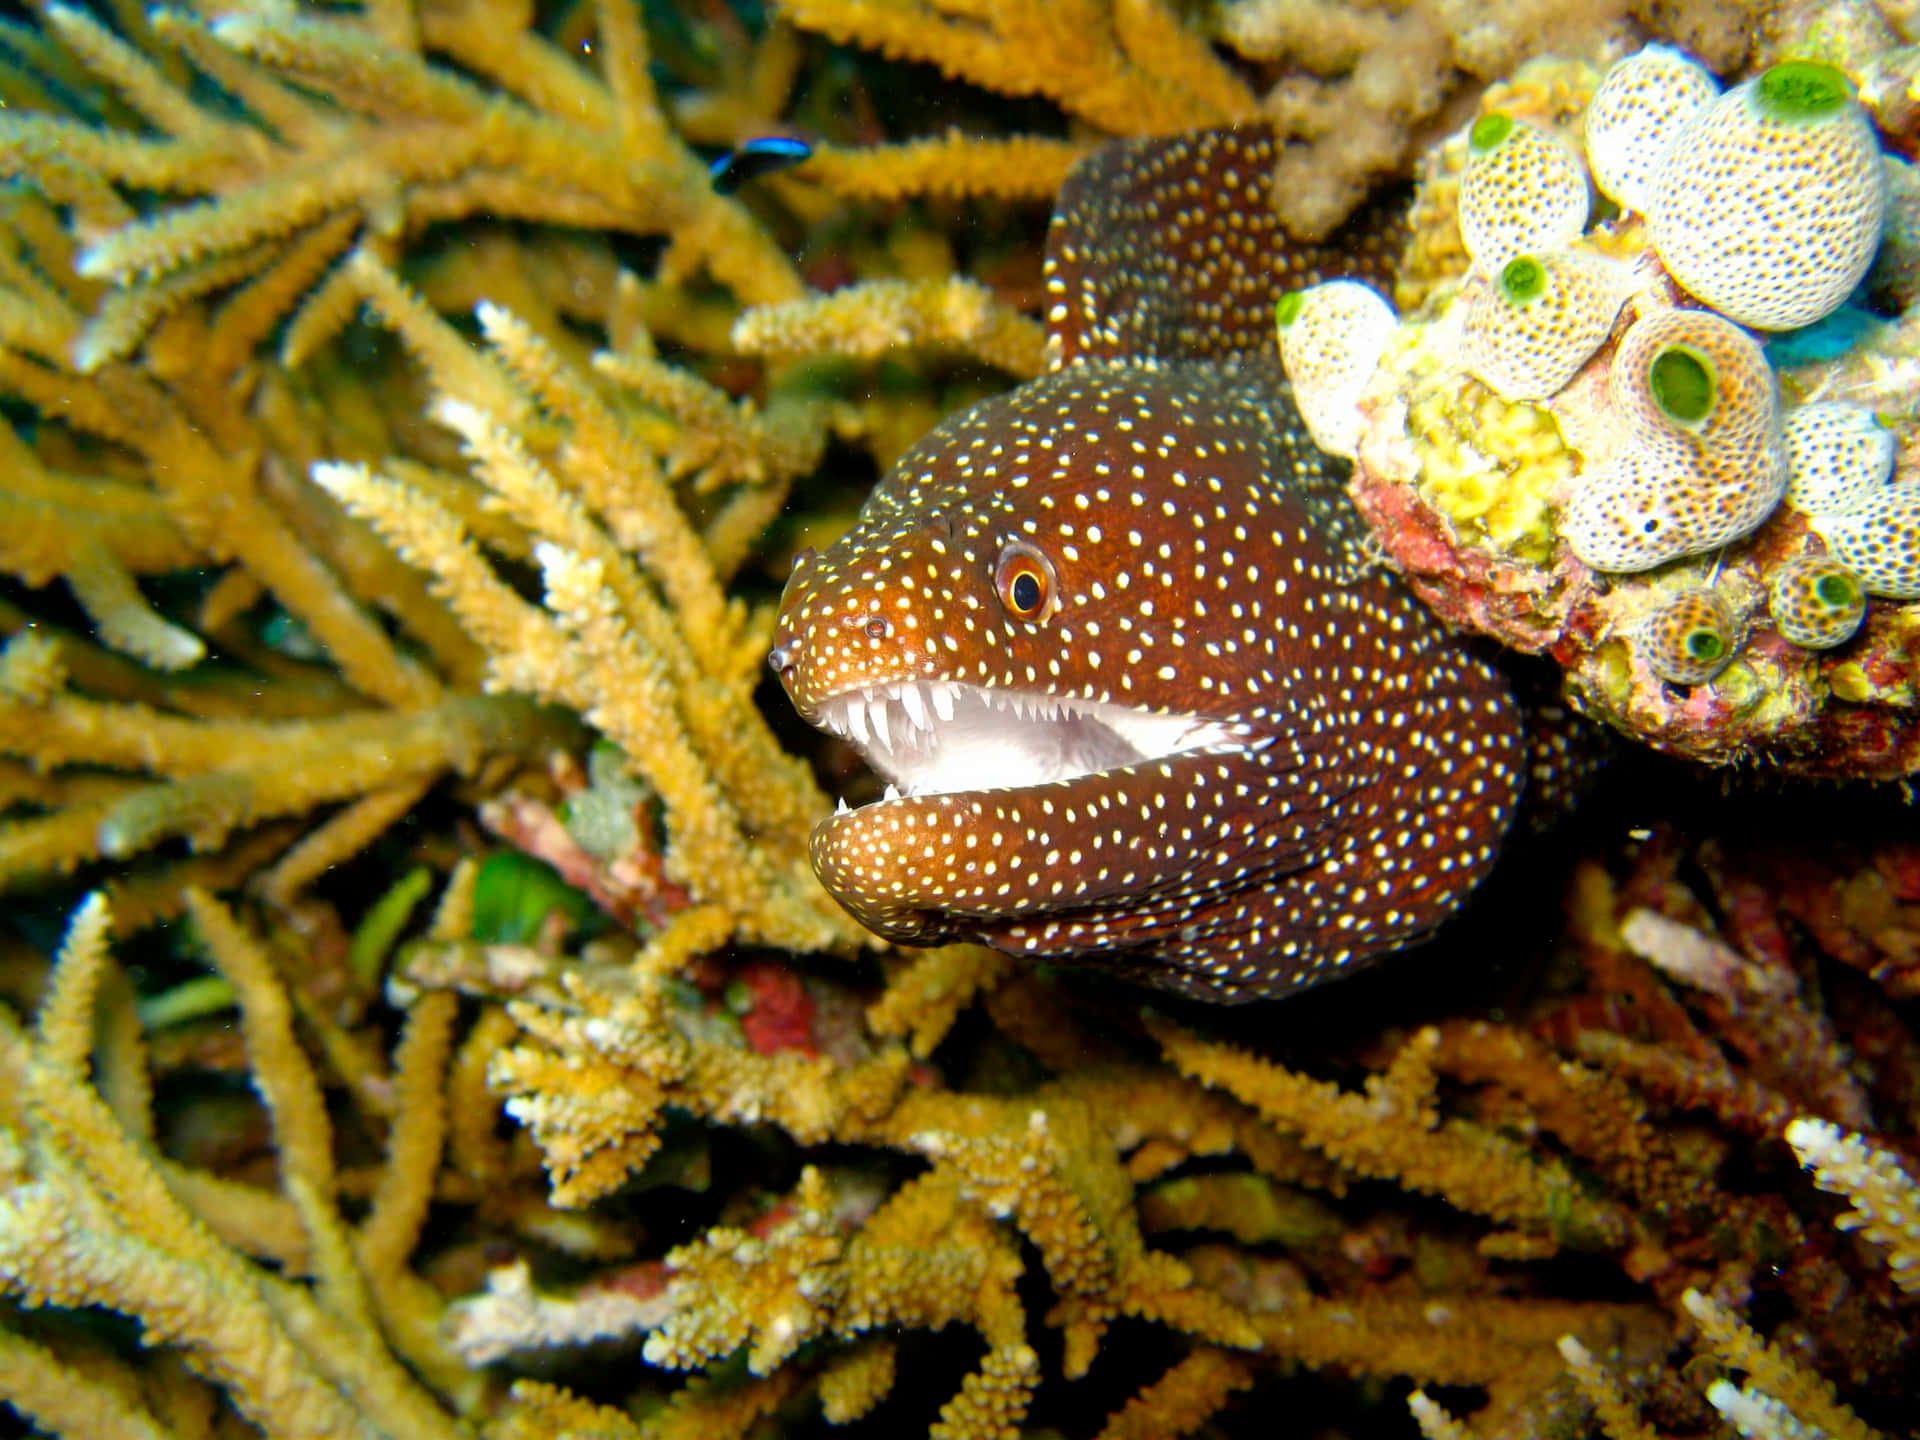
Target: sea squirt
[1117,643]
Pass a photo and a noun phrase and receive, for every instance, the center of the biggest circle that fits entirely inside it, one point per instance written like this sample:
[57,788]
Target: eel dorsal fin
[1168,248]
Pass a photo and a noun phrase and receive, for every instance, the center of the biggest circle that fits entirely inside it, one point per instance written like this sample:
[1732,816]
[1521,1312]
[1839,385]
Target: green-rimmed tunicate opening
[1839,591]
[1688,638]
[1522,279]
[1286,310]
[1817,603]
[1681,381]
[1488,131]
[1704,645]
[1802,91]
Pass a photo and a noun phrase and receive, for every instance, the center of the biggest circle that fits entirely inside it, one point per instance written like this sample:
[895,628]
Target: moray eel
[1115,640]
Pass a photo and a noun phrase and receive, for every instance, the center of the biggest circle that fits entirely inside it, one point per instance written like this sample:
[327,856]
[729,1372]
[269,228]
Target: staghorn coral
[1885,1201]
[616,1048]
[581,472]
[619,1047]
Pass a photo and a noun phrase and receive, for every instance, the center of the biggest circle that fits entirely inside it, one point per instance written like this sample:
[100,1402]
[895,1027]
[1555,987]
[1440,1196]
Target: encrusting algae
[419,1014]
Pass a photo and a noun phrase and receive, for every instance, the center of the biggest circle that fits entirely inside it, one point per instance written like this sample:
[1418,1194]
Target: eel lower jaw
[940,737]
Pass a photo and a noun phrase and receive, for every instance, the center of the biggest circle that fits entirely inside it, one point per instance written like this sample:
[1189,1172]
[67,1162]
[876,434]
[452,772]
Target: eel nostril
[780,657]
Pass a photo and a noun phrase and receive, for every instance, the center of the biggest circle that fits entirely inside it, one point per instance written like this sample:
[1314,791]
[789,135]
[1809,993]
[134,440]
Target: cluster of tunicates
[1580,440]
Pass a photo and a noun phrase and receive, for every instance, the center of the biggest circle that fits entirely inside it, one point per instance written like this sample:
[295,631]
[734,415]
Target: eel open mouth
[942,737]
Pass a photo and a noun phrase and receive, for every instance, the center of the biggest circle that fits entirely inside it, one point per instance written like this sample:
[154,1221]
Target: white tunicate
[1331,339]
[1769,204]
[1640,107]
[1523,192]
[1837,455]
[1531,327]
[1879,540]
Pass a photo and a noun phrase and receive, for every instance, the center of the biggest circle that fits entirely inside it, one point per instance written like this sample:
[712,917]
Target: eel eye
[1024,578]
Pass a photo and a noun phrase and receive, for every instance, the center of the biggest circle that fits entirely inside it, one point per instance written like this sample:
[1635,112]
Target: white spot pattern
[1224,755]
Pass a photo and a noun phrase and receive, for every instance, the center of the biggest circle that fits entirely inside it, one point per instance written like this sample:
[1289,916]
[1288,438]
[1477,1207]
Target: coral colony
[421,1013]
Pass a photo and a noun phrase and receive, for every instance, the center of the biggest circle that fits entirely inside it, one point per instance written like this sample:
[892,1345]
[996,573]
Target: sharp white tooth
[843,808]
[857,718]
[879,718]
[915,704]
[892,793]
[942,699]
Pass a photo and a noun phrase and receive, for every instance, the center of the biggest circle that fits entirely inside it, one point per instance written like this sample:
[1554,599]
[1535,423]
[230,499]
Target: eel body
[1115,639]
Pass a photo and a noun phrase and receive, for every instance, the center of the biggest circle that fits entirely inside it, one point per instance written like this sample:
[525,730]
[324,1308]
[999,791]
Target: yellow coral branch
[1383,1135]
[926,996]
[63,1401]
[876,316]
[1183,1399]
[339,838]
[231,773]
[1884,1200]
[1017,167]
[121,615]
[85,1219]
[1067,50]
[854,1383]
[1810,1396]
[1619,1420]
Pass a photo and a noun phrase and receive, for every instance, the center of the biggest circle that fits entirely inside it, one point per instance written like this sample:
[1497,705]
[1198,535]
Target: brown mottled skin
[1116,638]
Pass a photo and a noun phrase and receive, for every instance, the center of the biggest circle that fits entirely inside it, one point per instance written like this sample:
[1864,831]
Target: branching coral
[803,1287]
[87,1219]
[656,659]
[1885,1202]
[1128,66]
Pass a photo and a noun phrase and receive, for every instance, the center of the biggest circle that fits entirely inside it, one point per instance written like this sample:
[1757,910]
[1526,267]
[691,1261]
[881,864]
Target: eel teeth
[843,808]
[942,691]
[892,793]
[915,704]
[879,719]
[857,718]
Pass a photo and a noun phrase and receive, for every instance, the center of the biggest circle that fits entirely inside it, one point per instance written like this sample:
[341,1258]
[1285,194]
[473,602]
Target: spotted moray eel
[1116,642]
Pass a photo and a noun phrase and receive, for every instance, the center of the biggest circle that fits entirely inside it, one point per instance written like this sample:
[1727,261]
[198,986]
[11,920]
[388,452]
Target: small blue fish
[754,159]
